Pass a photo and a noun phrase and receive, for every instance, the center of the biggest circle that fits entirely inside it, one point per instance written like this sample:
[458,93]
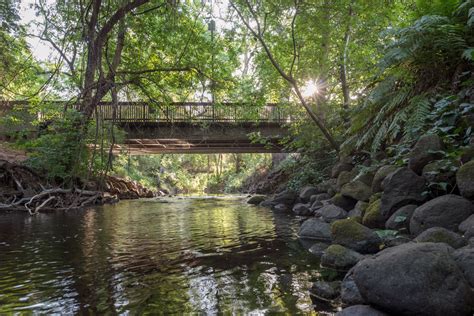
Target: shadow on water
[188,255]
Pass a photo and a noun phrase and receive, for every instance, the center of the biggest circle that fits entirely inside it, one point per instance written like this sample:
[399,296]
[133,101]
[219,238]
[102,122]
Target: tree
[287,75]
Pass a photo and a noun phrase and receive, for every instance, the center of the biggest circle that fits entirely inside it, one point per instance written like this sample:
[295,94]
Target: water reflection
[189,255]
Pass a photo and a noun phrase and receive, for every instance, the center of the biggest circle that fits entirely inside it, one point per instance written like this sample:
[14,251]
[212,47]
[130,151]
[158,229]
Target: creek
[178,255]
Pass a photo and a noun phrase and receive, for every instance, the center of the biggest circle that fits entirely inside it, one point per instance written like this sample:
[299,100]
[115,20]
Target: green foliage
[420,62]
[386,233]
[435,7]
[306,170]
[60,150]
[191,174]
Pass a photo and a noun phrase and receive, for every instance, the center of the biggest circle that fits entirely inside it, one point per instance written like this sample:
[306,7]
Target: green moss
[348,228]
[375,197]
[372,216]
[336,250]
[438,237]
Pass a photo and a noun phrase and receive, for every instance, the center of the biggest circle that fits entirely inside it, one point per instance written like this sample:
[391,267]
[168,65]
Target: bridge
[193,127]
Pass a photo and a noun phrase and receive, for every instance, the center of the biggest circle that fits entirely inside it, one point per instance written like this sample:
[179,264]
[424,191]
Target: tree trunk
[343,67]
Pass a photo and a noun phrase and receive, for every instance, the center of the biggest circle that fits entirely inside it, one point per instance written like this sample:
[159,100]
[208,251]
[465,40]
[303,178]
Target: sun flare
[310,89]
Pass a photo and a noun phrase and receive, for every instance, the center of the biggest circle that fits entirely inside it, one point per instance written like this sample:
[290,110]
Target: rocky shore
[398,244]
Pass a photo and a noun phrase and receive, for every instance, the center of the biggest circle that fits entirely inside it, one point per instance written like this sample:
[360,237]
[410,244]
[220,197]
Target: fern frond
[419,110]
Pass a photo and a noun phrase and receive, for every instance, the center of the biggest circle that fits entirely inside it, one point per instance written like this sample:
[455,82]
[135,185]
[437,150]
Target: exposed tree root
[126,189]
[22,189]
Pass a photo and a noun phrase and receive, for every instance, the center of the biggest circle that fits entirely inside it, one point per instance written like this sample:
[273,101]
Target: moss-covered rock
[440,234]
[345,177]
[357,190]
[340,258]
[341,166]
[375,197]
[467,153]
[351,234]
[465,180]
[372,216]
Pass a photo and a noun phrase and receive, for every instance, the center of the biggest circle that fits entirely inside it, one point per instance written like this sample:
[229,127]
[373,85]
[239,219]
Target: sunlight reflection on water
[185,255]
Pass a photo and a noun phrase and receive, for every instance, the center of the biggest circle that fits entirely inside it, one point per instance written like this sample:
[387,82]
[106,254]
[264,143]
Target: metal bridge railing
[192,112]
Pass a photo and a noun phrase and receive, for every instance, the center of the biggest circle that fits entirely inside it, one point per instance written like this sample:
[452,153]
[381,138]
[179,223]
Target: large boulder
[360,310]
[325,290]
[446,211]
[307,192]
[401,187]
[330,213]
[315,228]
[341,166]
[380,175]
[440,234]
[415,279]
[465,180]
[357,190]
[351,234]
[340,258]
[373,217]
[425,151]
[345,202]
[281,207]
[464,257]
[256,199]
[302,209]
[467,224]
[400,220]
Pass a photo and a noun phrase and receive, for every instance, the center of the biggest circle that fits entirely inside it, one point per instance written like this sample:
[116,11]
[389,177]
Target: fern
[419,110]
[419,57]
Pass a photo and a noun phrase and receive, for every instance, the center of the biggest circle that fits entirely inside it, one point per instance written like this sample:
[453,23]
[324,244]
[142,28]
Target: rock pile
[409,252]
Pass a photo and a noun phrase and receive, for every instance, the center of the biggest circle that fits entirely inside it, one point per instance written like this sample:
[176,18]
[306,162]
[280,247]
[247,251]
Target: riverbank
[23,189]
[399,236]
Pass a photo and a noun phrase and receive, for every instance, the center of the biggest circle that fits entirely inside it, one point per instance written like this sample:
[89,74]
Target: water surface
[188,255]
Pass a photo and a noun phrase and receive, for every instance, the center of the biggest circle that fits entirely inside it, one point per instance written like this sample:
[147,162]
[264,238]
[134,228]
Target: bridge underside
[177,138]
